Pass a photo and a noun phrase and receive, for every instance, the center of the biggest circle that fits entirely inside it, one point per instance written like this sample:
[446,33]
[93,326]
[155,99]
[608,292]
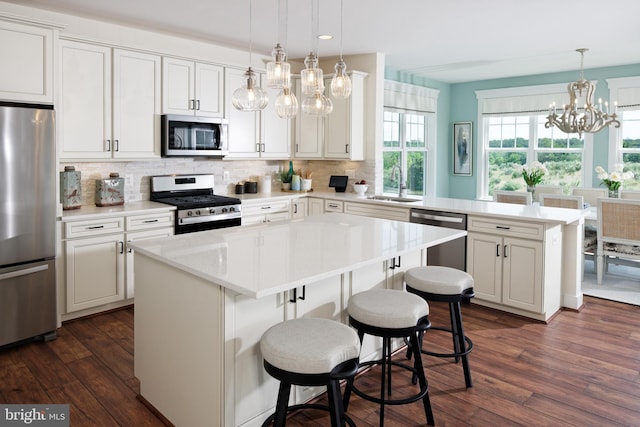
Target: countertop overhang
[262,260]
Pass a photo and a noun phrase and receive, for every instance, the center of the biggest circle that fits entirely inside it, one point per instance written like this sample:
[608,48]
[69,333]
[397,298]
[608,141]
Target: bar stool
[310,352]
[436,283]
[390,314]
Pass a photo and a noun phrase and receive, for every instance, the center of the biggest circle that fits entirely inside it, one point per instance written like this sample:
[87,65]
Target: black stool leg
[462,345]
[282,404]
[454,329]
[336,409]
[349,385]
[385,356]
[426,401]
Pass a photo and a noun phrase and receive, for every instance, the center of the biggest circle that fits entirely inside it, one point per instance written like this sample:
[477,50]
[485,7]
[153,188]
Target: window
[409,136]
[630,146]
[404,152]
[524,139]
[513,132]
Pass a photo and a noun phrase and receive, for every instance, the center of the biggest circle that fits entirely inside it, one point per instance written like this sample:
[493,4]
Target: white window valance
[521,100]
[404,96]
[626,92]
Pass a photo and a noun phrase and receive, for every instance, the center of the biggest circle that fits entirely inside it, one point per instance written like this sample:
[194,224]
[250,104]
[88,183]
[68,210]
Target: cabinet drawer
[333,206]
[265,208]
[528,230]
[386,212]
[90,228]
[145,222]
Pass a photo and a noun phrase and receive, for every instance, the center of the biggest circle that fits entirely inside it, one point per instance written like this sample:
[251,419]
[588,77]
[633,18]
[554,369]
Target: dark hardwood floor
[582,369]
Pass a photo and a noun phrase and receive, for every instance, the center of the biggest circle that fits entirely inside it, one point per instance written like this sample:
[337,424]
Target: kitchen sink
[392,199]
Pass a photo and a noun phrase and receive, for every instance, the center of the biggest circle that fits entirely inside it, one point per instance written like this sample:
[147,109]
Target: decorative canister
[295,183]
[110,191]
[251,187]
[70,189]
[265,184]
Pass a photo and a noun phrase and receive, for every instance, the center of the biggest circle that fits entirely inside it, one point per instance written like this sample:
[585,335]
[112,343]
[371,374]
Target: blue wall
[458,103]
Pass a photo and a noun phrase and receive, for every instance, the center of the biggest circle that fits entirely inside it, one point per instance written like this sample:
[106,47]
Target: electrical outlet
[226,177]
[351,173]
[128,179]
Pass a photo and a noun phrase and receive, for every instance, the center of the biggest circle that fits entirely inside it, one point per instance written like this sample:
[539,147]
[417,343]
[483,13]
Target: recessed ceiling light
[325,36]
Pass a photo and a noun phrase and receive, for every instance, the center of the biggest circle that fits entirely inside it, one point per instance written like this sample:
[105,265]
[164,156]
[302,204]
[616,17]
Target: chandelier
[588,117]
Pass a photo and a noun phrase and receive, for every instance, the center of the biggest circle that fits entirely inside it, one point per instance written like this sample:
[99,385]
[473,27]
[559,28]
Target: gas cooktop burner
[206,201]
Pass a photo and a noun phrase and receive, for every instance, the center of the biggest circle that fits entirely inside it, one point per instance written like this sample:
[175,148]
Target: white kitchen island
[204,299]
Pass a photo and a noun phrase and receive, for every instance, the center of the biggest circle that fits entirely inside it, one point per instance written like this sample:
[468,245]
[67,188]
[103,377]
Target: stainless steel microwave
[184,136]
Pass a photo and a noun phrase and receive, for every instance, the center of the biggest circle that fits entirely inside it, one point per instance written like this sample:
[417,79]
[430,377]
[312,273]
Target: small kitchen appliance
[198,209]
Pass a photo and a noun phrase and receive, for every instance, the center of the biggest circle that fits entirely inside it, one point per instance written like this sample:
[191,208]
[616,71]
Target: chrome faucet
[402,188]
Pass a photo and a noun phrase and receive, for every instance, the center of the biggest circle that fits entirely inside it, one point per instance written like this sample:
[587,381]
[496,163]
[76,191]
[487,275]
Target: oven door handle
[208,218]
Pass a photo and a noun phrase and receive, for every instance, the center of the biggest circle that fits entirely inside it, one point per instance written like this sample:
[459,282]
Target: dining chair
[516,197]
[618,232]
[546,189]
[629,194]
[591,195]
[562,201]
[590,238]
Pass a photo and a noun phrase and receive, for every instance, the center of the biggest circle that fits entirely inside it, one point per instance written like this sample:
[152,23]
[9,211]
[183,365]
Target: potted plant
[285,177]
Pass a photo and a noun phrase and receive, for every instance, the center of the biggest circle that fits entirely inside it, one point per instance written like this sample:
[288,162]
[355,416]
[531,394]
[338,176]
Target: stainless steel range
[198,208]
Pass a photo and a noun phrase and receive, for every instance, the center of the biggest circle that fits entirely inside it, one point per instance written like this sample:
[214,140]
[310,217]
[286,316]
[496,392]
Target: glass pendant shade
[286,104]
[250,97]
[317,105]
[311,77]
[341,83]
[279,70]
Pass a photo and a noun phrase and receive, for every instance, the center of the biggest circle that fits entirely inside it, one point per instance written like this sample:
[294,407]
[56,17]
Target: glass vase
[532,189]
[613,193]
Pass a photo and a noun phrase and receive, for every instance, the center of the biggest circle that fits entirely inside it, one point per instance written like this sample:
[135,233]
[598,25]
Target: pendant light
[286,104]
[279,70]
[311,78]
[250,97]
[315,102]
[341,83]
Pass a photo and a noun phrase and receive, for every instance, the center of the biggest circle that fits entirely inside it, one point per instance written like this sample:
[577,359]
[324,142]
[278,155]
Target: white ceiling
[446,40]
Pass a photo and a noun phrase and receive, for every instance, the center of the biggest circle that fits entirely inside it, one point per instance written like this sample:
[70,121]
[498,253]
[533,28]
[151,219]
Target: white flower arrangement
[614,179]
[533,174]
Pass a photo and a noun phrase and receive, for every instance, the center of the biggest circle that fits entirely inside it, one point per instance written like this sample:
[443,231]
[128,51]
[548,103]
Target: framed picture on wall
[462,148]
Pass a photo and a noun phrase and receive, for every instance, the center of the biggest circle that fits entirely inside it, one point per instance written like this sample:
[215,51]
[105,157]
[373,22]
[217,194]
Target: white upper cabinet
[338,135]
[308,131]
[110,103]
[136,104]
[344,127]
[26,74]
[259,134]
[192,88]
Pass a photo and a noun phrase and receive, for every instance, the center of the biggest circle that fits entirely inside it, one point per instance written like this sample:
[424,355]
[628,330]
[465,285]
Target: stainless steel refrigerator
[27,223]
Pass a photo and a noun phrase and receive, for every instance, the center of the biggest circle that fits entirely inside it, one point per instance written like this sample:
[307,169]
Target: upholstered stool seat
[310,352]
[437,283]
[391,314]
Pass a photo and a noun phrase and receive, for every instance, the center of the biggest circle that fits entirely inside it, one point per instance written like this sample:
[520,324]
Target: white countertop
[266,259]
[130,208]
[533,212]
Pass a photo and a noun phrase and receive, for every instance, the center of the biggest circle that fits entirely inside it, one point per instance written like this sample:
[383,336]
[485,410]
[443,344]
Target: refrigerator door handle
[24,272]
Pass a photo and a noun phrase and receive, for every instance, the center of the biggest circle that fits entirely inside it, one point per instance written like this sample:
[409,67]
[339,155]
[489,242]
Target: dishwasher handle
[441,218]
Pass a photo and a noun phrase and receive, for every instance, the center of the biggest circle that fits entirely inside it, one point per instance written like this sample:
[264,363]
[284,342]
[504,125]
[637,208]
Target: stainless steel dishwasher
[449,254]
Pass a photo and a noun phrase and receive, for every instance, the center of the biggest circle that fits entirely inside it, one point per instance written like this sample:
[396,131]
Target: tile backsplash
[137,173]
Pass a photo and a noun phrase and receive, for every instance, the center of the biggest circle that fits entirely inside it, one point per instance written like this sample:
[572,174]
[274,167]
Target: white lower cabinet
[298,208]
[98,266]
[333,206]
[94,263]
[315,206]
[261,212]
[516,266]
